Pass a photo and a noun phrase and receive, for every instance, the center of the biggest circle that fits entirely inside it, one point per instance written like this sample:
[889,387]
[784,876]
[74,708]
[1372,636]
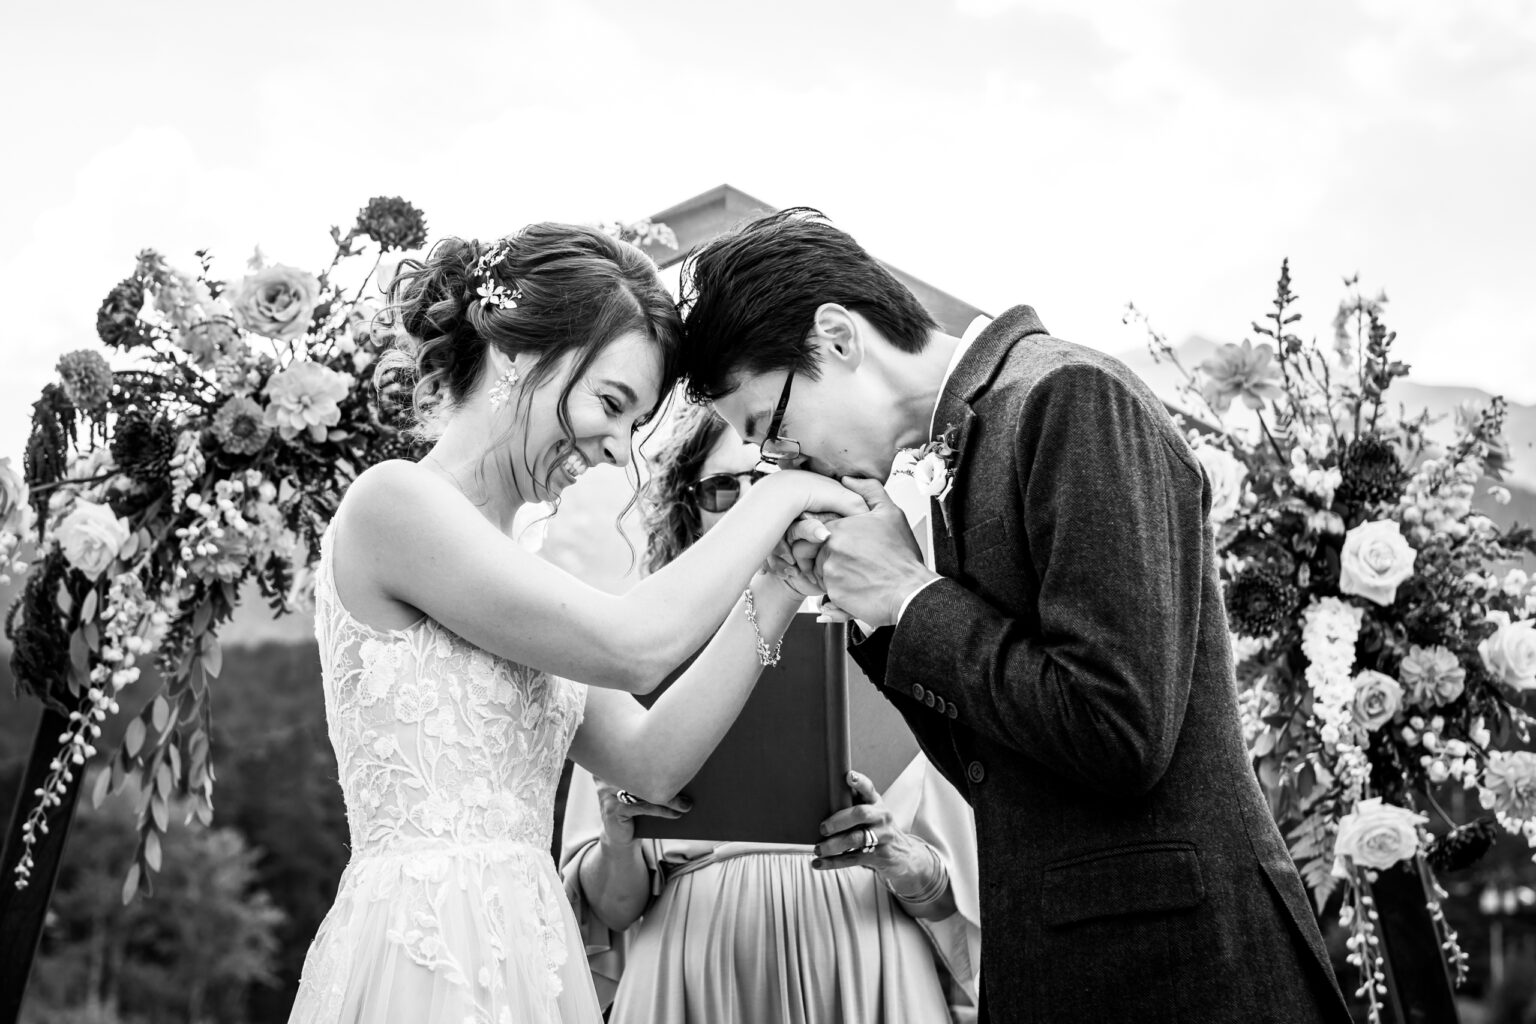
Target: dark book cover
[782,767]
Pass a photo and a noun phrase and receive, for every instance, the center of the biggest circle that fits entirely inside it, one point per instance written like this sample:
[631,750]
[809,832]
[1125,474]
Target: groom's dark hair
[750,299]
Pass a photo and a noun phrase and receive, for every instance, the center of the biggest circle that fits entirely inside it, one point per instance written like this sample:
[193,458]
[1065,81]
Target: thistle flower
[393,223]
[87,379]
[117,321]
[1370,471]
[1258,601]
[143,446]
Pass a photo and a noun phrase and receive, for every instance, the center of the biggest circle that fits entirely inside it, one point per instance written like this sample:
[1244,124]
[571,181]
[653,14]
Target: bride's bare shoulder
[394,497]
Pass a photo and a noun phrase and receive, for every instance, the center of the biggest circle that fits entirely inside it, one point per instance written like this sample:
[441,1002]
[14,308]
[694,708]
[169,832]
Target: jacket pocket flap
[1131,880]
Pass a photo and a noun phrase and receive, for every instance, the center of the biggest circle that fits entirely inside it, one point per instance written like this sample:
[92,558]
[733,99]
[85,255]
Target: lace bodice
[438,741]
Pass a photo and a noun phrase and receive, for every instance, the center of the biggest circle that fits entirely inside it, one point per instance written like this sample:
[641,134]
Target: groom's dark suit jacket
[1072,675]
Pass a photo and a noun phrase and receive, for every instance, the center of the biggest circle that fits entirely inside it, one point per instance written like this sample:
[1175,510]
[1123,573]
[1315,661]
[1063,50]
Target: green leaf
[100,787]
[164,782]
[131,884]
[133,739]
[201,617]
[160,811]
[160,713]
[130,546]
[89,608]
[152,850]
[213,656]
[79,654]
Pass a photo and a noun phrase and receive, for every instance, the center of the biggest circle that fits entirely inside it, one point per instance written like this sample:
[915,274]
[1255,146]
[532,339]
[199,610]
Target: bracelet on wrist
[765,657]
[930,892]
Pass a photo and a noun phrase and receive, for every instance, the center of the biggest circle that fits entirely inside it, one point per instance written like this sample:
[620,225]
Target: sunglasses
[719,491]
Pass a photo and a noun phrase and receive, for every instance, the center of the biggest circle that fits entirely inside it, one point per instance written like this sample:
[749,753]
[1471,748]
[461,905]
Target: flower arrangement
[1382,629]
[155,492]
[931,467]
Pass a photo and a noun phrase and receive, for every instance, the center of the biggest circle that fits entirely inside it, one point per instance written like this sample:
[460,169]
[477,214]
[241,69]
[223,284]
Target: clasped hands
[866,565]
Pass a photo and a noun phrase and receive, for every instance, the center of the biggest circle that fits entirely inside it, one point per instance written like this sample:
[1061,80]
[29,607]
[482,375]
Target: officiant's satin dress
[744,933]
[450,910]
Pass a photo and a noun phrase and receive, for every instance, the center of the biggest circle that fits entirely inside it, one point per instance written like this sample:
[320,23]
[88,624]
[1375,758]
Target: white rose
[276,301]
[1377,698]
[931,476]
[91,537]
[1378,835]
[1226,474]
[1375,561]
[1510,653]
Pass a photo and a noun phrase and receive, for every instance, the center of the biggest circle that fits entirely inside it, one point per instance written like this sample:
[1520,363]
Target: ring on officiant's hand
[627,798]
[870,842]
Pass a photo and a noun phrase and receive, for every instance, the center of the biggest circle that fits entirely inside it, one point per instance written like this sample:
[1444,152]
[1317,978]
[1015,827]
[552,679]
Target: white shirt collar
[967,339]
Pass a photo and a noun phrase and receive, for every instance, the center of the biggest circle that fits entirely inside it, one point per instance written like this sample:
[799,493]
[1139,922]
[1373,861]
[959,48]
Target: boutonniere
[932,467]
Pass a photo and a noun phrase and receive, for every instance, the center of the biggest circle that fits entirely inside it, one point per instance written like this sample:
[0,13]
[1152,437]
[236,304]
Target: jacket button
[952,711]
[929,698]
[918,691]
[975,772]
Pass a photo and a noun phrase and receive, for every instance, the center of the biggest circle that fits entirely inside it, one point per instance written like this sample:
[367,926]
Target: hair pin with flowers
[491,291]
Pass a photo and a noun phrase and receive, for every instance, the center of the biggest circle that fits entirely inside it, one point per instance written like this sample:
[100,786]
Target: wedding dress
[450,909]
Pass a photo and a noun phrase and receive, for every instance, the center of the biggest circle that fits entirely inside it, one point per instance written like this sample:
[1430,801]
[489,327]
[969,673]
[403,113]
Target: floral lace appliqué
[449,759]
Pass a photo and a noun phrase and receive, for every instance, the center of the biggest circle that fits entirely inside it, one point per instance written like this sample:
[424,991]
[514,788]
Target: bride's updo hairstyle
[549,290]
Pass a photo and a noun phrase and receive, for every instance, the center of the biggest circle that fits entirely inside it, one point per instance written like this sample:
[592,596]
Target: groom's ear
[837,336]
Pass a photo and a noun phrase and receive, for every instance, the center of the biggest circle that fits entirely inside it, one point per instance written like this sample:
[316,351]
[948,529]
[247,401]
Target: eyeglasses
[776,449]
[719,491]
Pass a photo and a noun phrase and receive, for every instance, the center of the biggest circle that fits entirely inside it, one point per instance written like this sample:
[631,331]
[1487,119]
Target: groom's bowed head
[808,346]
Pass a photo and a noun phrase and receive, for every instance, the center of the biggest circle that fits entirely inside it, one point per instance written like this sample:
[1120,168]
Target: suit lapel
[970,378]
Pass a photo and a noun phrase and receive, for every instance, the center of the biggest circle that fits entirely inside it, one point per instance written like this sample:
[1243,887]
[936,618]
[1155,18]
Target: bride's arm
[653,753]
[403,534]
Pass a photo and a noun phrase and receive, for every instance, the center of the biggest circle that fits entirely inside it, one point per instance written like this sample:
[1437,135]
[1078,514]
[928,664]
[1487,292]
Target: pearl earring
[501,391]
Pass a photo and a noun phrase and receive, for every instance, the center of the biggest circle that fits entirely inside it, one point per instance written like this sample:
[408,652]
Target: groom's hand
[871,563]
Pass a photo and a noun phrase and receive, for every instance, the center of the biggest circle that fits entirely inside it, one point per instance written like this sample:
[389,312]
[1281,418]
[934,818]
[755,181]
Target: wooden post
[1419,980]
[24,911]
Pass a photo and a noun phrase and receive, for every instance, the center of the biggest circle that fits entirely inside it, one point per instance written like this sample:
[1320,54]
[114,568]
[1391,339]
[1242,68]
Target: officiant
[878,921]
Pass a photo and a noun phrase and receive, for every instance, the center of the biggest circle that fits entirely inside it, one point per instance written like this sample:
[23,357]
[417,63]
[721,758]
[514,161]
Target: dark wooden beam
[23,912]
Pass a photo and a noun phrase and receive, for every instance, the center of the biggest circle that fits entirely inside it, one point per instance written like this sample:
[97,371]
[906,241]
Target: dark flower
[393,223]
[240,426]
[1462,847]
[117,321]
[87,379]
[1259,601]
[143,446]
[1370,472]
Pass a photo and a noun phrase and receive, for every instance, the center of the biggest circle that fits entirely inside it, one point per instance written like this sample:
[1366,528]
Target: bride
[459,669]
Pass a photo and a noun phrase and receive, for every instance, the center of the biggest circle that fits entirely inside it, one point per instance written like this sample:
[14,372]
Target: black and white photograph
[924,512]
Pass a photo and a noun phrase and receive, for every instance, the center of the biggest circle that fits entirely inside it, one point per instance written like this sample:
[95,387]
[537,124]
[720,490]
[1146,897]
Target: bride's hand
[816,493]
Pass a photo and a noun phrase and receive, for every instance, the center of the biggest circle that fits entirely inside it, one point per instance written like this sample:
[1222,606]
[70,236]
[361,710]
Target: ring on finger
[870,842]
[627,798]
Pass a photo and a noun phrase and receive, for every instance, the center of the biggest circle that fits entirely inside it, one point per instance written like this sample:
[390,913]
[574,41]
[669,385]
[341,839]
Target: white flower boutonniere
[931,466]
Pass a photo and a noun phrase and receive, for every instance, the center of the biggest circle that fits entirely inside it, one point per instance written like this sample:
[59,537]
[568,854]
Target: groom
[1062,656]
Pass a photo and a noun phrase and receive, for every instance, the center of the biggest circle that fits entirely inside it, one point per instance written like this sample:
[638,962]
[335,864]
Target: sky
[1071,156]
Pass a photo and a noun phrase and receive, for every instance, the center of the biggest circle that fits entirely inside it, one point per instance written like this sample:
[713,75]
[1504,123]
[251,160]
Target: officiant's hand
[903,861]
[871,563]
[619,814]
